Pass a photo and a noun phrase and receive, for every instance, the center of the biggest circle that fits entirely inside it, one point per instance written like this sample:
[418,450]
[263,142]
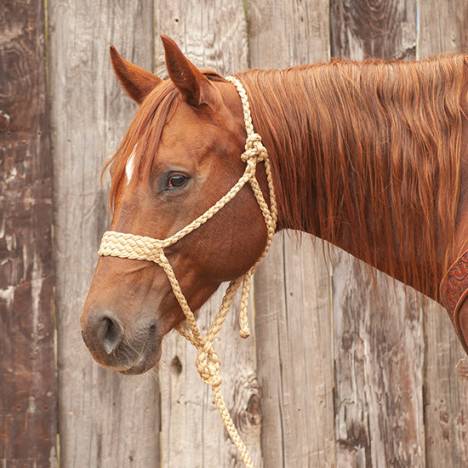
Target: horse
[370,156]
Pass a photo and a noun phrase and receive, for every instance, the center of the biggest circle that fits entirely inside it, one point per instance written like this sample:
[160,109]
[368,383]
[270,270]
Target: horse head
[180,156]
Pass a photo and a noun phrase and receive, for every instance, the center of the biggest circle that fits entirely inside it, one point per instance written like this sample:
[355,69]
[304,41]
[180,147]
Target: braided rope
[118,244]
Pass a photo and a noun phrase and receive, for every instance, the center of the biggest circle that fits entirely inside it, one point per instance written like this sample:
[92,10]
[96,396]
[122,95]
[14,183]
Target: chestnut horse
[369,156]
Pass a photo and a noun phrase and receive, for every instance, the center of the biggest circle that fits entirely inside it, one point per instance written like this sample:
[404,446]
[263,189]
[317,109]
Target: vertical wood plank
[292,286]
[106,420]
[443,28]
[211,33]
[28,393]
[379,357]
[379,345]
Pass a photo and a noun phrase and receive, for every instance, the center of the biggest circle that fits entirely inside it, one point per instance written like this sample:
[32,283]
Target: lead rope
[136,247]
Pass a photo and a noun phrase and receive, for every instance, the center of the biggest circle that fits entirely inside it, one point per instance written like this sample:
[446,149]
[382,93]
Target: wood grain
[370,28]
[379,346]
[443,28]
[292,287]
[106,420]
[211,33]
[379,357]
[28,391]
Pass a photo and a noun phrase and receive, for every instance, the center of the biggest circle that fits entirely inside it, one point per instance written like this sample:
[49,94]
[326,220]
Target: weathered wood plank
[212,33]
[28,393]
[292,287]
[106,420]
[372,28]
[443,28]
[299,30]
[379,346]
[379,351]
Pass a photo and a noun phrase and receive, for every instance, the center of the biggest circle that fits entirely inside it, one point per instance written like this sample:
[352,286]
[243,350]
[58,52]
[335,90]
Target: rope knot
[254,149]
[208,366]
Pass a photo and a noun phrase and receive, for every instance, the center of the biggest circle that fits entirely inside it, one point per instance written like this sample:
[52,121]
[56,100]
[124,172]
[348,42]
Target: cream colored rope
[118,244]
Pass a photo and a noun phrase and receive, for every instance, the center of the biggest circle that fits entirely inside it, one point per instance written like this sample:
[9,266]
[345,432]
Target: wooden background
[341,371]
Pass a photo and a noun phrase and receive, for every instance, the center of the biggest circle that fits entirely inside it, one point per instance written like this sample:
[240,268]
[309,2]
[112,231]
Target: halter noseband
[119,244]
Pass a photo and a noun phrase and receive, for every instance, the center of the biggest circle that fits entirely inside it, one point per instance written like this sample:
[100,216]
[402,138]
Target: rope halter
[118,244]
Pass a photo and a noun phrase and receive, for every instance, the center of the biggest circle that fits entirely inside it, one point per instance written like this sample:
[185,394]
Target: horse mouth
[144,363]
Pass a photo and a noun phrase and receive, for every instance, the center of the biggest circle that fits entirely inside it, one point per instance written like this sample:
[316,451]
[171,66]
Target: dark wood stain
[376,26]
[27,363]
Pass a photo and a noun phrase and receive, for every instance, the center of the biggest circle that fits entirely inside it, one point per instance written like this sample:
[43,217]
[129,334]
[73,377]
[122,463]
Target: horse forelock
[139,146]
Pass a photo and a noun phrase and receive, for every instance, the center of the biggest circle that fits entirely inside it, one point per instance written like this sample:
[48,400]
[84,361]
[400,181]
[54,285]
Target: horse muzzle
[127,348]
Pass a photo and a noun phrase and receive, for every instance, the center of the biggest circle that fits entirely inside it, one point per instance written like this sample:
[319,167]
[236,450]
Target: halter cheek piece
[118,244]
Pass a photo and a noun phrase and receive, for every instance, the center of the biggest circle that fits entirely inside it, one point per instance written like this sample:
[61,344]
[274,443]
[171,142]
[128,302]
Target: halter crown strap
[123,245]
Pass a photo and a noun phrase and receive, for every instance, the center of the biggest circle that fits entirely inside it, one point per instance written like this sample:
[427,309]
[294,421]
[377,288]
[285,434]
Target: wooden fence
[341,371]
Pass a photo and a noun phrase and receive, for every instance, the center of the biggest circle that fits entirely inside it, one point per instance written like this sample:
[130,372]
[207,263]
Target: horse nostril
[110,332]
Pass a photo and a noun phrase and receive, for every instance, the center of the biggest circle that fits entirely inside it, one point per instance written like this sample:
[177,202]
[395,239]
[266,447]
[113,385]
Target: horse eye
[176,181]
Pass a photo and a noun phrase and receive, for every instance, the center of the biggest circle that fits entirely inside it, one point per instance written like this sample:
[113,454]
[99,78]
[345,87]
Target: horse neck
[355,164]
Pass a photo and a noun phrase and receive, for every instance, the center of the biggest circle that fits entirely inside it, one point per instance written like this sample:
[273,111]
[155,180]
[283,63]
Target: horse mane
[369,155]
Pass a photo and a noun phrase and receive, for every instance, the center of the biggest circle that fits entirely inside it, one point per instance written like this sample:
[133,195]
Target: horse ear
[136,81]
[194,86]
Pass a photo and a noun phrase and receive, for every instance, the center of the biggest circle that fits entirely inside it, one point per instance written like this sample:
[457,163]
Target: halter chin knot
[208,366]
